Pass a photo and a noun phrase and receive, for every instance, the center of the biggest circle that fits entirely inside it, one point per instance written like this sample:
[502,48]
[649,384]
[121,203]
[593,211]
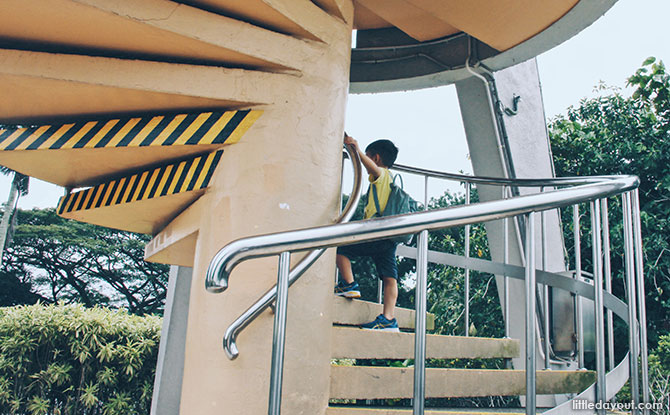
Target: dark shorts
[382,254]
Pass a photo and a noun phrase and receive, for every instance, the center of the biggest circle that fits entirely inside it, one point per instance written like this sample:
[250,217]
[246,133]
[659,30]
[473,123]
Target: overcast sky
[426,124]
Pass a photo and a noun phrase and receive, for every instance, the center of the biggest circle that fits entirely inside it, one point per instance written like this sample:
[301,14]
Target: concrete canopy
[402,44]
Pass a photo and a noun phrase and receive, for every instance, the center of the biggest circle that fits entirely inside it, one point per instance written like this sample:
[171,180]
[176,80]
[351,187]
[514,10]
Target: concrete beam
[170,366]
[84,85]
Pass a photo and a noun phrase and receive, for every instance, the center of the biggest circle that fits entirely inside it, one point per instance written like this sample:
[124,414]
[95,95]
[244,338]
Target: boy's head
[385,149]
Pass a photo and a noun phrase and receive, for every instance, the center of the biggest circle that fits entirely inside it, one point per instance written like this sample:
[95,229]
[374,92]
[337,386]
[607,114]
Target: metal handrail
[322,237]
[328,236]
[265,301]
[541,182]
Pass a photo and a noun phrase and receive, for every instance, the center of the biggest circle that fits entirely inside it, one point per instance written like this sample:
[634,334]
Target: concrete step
[354,343]
[362,382]
[85,152]
[145,201]
[350,312]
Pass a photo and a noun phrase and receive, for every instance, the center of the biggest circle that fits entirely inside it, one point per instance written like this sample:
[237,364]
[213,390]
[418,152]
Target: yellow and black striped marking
[163,130]
[184,176]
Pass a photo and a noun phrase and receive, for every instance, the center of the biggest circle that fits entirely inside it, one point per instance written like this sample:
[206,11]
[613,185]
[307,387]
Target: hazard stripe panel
[162,130]
[181,177]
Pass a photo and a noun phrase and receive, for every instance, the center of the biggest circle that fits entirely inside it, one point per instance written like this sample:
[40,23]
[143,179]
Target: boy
[378,157]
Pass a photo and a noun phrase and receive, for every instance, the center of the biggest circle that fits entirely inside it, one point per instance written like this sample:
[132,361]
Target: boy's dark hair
[386,150]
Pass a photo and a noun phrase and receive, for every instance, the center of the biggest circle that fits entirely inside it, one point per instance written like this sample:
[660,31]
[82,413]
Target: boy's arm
[369,164]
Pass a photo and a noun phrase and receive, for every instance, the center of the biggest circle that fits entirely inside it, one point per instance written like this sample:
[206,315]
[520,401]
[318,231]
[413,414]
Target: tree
[19,188]
[614,134]
[69,261]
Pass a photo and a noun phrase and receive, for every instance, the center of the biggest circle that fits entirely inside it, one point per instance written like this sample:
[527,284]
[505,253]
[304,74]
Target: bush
[659,375]
[67,359]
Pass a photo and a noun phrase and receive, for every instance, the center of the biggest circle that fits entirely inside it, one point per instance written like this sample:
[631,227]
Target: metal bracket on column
[515,106]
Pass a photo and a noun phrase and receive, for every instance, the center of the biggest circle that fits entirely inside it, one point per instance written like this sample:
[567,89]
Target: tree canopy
[616,134]
[53,259]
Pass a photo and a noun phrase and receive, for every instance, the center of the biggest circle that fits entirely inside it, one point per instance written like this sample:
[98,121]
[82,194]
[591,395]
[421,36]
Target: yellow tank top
[383,185]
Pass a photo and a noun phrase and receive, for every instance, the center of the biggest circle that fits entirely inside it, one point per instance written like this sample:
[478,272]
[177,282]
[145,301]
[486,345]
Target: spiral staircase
[134,107]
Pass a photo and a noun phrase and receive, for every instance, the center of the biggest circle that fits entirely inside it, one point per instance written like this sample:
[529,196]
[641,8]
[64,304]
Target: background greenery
[52,259]
[68,359]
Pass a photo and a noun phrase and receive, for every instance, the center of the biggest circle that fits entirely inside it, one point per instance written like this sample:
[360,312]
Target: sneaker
[347,290]
[382,323]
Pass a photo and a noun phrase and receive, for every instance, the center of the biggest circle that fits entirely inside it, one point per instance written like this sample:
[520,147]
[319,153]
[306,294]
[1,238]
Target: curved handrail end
[230,347]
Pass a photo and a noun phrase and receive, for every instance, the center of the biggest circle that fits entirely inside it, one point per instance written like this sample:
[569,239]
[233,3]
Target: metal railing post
[506,308]
[545,292]
[420,324]
[466,283]
[380,291]
[531,302]
[630,291]
[578,277]
[607,268]
[641,301]
[279,335]
[599,314]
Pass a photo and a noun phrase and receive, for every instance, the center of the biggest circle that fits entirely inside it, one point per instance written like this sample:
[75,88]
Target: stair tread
[351,312]
[363,382]
[109,148]
[354,343]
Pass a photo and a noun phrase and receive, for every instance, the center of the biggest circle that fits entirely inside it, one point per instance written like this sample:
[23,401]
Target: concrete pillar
[170,366]
[285,174]
[524,153]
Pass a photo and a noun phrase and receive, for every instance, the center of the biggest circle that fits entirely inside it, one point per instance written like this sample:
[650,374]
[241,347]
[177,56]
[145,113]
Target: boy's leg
[390,296]
[344,266]
[346,287]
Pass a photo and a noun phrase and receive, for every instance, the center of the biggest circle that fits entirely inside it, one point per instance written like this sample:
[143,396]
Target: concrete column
[285,174]
[170,366]
[524,153]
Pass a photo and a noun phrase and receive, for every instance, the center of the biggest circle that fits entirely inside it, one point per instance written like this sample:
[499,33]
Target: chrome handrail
[328,236]
[255,310]
[546,182]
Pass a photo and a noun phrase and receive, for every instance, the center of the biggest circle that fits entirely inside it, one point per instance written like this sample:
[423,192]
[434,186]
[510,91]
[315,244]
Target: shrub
[67,359]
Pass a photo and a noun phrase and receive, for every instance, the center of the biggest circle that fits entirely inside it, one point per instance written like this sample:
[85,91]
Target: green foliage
[613,134]
[446,284]
[659,375]
[66,359]
[55,259]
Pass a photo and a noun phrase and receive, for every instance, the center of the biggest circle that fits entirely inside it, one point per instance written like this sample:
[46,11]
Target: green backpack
[399,203]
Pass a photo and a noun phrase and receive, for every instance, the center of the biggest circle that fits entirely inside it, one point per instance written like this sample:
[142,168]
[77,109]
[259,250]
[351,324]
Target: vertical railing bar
[578,277]
[607,268]
[420,324]
[279,335]
[599,314]
[531,300]
[380,291]
[467,270]
[339,210]
[641,301]
[545,291]
[425,192]
[506,278]
[630,288]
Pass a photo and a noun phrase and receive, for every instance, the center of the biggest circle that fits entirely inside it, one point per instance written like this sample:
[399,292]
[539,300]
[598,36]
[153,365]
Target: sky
[426,125]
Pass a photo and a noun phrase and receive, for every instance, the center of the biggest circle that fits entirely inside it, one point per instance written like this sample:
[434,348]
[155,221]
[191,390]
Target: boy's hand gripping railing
[230,337]
[334,235]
